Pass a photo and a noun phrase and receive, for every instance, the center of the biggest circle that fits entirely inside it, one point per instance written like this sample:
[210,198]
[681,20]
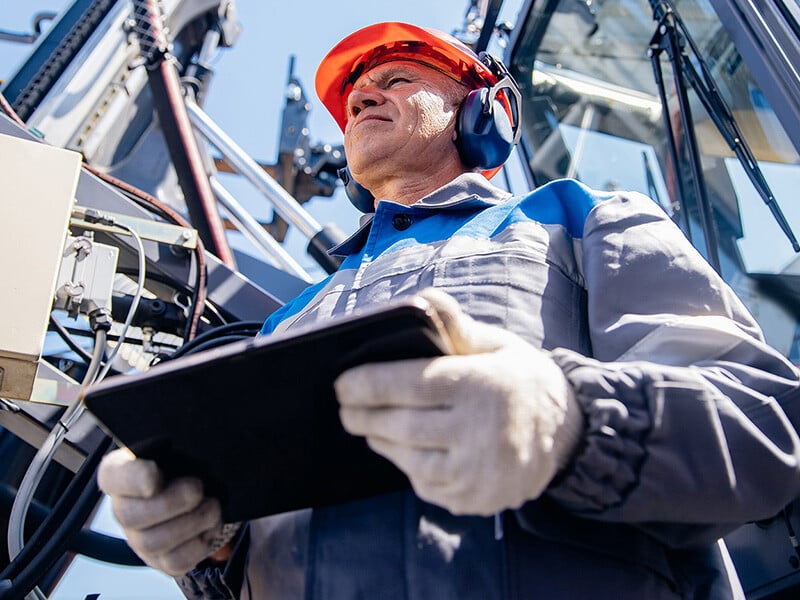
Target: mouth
[363,118]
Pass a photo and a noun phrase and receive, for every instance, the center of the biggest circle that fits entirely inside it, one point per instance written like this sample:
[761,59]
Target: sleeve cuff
[211,580]
[606,464]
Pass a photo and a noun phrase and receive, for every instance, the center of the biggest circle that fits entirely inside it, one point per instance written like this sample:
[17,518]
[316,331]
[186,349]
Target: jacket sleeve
[691,416]
[214,581]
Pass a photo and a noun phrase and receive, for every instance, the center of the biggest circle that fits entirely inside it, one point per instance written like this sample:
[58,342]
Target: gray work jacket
[690,415]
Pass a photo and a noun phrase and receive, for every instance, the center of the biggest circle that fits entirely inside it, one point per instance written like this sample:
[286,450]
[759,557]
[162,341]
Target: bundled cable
[51,539]
[91,544]
[200,282]
[219,336]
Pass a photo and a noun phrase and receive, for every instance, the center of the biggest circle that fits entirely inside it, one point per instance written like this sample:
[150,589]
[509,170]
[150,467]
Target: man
[609,412]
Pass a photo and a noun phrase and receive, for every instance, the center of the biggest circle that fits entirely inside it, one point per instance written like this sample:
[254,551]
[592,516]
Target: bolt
[294,92]
[73,290]
[82,247]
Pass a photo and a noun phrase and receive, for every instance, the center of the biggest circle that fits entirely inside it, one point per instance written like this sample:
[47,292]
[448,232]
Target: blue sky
[246,99]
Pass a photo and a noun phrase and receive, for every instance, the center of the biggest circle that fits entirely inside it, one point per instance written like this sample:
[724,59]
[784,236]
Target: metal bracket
[146,228]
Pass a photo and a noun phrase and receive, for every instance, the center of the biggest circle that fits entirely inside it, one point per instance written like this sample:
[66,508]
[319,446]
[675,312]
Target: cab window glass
[592,110]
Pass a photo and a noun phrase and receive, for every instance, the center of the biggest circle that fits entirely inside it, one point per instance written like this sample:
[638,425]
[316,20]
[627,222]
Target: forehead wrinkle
[454,90]
[385,70]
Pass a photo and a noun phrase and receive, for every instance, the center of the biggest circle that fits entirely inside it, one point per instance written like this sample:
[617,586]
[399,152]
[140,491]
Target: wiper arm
[671,26]
[666,38]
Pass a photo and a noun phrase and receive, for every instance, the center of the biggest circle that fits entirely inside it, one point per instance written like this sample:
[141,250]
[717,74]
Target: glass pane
[592,110]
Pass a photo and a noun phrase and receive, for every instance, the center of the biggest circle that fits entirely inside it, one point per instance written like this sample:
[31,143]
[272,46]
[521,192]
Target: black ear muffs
[485,132]
[358,195]
[484,137]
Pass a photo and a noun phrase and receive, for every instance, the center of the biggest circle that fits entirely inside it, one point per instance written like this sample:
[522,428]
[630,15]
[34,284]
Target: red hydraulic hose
[178,133]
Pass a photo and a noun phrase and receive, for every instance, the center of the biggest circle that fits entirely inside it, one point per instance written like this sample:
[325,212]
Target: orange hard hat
[384,42]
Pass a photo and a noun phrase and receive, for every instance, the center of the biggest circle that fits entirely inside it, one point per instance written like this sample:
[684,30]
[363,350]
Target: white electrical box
[37,191]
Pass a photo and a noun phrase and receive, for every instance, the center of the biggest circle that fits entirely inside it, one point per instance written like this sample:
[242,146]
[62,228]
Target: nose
[362,97]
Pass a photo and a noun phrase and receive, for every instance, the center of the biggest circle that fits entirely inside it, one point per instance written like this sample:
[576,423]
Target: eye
[395,80]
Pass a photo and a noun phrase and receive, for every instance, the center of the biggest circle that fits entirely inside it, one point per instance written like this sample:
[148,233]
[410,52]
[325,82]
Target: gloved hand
[476,432]
[172,527]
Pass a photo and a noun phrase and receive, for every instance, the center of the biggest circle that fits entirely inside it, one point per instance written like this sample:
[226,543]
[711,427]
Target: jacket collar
[467,191]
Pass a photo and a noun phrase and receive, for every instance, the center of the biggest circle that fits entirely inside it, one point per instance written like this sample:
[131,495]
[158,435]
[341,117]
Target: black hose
[70,341]
[219,341]
[106,548]
[87,542]
[243,329]
[52,538]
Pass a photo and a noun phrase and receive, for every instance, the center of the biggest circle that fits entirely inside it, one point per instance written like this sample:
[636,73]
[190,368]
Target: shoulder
[565,202]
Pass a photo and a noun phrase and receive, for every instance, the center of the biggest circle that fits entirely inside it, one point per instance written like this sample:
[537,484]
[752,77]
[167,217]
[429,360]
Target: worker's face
[401,115]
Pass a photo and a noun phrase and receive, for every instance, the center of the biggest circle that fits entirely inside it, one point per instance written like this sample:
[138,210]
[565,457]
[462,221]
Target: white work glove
[171,528]
[476,432]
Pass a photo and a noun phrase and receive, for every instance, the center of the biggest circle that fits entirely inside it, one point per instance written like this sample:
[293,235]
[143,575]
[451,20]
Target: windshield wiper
[669,36]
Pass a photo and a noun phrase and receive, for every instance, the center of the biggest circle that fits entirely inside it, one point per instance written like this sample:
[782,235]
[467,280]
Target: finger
[467,335]
[182,558]
[180,497]
[163,538]
[453,319]
[417,427]
[426,383]
[383,384]
[122,474]
[423,466]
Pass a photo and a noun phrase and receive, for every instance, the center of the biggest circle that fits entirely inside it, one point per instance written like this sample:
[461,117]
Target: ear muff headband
[487,128]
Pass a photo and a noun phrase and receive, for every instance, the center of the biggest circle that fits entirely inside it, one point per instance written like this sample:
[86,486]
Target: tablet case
[257,420]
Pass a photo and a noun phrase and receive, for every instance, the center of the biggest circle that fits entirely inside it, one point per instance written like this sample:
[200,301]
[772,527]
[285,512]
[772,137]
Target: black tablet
[257,420]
